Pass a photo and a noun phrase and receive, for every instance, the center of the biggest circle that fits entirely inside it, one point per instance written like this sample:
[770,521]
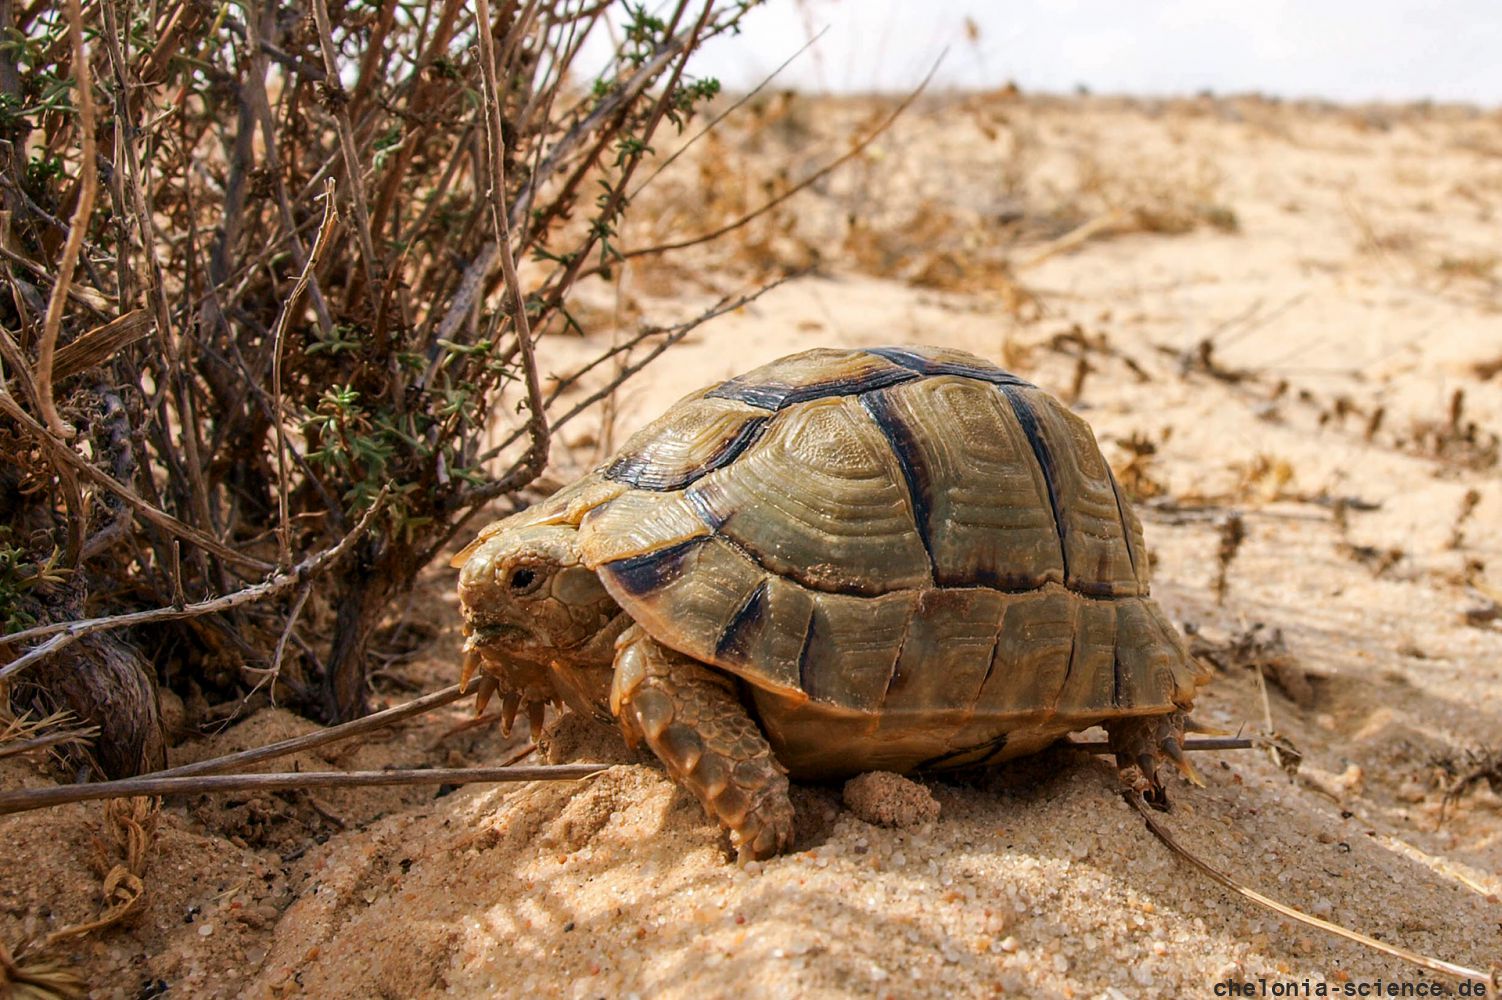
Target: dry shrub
[1169,198]
[214,368]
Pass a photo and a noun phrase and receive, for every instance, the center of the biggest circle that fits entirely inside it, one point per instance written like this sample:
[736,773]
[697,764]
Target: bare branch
[537,423]
[337,99]
[42,798]
[78,226]
[100,344]
[151,513]
[64,634]
[320,243]
[320,737]
[808,181]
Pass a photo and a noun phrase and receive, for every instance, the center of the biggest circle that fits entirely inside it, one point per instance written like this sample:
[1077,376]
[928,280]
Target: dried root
[121,863]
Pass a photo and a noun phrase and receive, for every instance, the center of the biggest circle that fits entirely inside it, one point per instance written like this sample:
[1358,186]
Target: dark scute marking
[1116,682]
[1029,422]
[1126,531]
[804,681]
[910,458]
[1095,588]
[643,473]
[776,396]
[928,366]
[995,578]
[767,397]
[708,502]
[638,575]
[992,747]
[732,644]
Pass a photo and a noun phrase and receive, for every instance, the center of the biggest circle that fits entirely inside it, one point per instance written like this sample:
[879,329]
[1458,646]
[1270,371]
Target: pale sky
[1338,49]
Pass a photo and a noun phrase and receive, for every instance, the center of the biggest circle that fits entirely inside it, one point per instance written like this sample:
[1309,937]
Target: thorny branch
[536,457]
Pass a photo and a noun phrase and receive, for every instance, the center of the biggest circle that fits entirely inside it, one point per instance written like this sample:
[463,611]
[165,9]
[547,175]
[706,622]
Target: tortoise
[896,558]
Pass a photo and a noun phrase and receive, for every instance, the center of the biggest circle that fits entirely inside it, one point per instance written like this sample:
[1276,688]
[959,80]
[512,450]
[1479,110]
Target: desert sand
[1344,269]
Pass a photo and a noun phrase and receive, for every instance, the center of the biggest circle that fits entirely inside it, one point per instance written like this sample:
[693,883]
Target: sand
[1361,272]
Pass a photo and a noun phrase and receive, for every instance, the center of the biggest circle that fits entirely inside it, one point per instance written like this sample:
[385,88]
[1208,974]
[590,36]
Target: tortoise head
[538,622]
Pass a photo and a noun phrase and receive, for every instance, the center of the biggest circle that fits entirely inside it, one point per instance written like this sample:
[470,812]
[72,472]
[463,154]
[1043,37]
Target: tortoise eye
[524,580]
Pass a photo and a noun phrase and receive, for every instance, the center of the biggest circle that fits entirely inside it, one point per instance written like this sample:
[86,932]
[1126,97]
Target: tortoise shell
[910,556]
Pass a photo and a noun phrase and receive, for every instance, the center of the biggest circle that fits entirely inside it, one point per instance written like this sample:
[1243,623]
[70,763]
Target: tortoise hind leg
[1140,743]
[692,719]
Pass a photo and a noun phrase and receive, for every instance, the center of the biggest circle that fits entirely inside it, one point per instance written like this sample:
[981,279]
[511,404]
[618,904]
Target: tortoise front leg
[691,718]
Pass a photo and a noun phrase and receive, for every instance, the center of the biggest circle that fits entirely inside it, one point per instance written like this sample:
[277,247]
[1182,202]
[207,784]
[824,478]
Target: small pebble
[888,799]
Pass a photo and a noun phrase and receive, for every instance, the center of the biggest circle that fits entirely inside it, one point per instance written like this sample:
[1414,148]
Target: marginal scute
[1091,682]
[1152,665]
[852,646]
[688,609]
[1032,656]
[946,652]
[766,635]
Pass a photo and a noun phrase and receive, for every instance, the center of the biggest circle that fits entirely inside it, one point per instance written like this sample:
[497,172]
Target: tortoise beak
[495,634]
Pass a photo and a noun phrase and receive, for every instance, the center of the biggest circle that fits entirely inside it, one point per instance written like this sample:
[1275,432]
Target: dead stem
[337,101]
[64,634]
[279,334]
[536,457]
[1459,973]
[78,228]
[814,178]
[321,737]
[152,513]
[43,798]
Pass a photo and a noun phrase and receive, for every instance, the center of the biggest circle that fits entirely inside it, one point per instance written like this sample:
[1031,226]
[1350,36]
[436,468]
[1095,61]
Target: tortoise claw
[467,671]
[487,687]
[509,705]
[1175,753]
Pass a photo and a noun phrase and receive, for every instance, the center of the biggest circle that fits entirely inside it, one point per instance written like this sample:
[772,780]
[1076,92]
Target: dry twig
[78,227]
[64,634]
[1450,970]
[28,799]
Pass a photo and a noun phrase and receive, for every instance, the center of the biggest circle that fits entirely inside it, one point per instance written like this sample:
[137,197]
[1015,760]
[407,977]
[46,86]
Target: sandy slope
[1364,269]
